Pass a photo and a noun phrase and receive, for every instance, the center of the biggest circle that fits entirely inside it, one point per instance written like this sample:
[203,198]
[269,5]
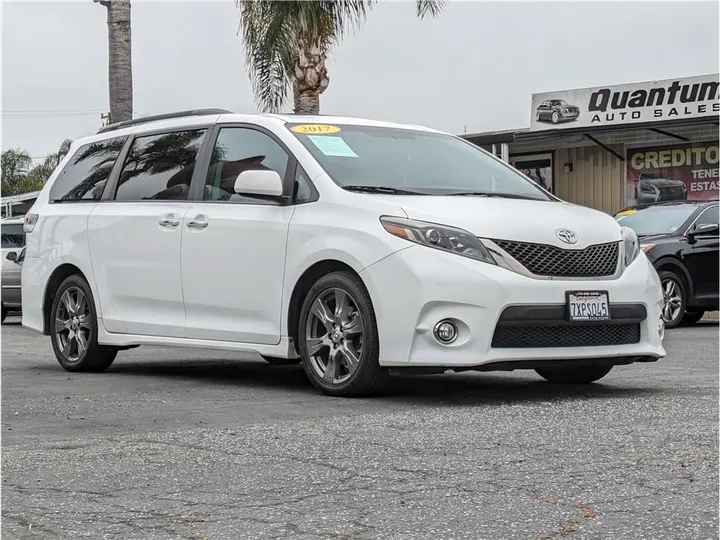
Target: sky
[472,69]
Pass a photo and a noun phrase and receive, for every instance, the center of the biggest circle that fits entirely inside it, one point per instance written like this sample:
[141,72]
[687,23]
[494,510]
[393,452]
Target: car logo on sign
[567,236]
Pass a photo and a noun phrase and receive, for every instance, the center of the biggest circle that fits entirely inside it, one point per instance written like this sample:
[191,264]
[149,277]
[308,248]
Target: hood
[656,238]
[664,182]
[514,219]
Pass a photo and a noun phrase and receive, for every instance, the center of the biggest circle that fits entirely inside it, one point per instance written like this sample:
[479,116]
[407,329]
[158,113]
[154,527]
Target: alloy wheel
[72,324]
[334,336]
[672,301]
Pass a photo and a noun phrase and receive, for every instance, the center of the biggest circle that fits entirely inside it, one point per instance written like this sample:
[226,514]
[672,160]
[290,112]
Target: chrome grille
[550,261]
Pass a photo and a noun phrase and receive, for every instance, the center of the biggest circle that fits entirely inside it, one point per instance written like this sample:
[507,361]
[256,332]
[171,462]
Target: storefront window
[537,167]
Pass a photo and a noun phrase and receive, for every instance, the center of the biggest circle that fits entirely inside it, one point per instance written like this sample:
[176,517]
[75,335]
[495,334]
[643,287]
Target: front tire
[555,117]
[674,298]
[583,375]
[691,317]
[4,314]
[338,337]
[74,328]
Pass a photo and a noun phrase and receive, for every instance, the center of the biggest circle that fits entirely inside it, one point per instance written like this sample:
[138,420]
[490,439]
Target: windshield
[656,219]
[410,161]
[559,102]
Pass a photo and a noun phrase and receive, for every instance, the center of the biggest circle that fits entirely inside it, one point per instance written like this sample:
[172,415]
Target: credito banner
[673,172]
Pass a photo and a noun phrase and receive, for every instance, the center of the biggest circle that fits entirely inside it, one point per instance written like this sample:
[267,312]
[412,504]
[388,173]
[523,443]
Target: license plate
[588,306]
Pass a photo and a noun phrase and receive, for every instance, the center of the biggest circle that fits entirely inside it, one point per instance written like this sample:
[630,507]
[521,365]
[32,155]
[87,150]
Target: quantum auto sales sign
[672,99]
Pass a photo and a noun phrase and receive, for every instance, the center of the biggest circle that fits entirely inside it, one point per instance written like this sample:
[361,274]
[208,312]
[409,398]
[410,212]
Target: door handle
[197,223]
[169,221]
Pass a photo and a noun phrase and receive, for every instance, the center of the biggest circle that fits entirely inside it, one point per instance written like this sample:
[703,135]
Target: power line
[50,115]
[53,110]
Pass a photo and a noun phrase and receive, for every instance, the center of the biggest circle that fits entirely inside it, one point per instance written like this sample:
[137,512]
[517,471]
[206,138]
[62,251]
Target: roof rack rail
[166,116]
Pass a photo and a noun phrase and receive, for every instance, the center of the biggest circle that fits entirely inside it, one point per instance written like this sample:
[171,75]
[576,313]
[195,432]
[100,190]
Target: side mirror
[706,229]
[12,256]
[263,183]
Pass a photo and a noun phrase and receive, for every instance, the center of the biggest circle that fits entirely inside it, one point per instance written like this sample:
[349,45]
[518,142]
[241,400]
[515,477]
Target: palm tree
[119,59]
[287,44]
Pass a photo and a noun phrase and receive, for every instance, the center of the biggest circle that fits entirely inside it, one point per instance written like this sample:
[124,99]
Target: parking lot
[174,443]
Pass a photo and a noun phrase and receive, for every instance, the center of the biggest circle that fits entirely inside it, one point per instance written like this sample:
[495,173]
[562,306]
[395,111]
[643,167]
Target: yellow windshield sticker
[625,213]
[315,129]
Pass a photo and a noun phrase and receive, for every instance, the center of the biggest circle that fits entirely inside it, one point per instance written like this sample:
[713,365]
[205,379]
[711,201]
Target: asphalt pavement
[188,444]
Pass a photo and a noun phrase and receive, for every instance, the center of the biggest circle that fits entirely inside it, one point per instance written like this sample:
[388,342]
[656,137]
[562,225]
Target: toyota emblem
[567,236]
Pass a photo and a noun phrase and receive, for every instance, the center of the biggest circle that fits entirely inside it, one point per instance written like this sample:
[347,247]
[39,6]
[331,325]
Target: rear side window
[13,236]
[160,167]
[85,175]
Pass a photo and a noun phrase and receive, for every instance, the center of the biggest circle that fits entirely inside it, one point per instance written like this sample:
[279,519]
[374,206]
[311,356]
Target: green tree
[18,174]
[15,164]
[287,44]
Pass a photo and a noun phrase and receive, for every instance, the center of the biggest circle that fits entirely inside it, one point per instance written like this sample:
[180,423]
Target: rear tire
[674,298]
[583,375]
[74,328]
[4,314]
[275,361]
[691,317]
[338,337]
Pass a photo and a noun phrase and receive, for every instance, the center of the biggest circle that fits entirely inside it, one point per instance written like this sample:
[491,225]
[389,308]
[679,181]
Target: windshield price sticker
[315,129]
[588,306]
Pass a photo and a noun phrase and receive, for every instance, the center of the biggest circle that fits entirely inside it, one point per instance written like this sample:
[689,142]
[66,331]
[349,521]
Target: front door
[136,238]
[703,264]
[233,247]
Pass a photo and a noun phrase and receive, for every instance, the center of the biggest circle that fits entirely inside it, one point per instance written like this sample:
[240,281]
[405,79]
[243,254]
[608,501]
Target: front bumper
[417,287]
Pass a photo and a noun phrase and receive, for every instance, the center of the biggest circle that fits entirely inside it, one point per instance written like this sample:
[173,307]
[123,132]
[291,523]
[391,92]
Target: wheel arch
[58,275]
[302,287]
[673,264]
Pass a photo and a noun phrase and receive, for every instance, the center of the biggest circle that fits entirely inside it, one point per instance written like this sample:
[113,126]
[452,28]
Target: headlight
[631,244]
[437,236]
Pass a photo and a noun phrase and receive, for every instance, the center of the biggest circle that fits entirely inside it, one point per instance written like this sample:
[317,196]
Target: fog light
[661,328]
[445,332]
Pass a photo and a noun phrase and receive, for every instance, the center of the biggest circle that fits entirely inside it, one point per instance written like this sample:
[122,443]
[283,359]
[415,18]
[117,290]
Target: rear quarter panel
[59,237]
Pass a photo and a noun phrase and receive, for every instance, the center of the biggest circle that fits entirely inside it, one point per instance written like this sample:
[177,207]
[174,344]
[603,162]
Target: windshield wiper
[495,194]
[382,189]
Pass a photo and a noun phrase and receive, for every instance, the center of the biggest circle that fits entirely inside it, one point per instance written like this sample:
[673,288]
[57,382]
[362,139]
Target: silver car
[13,253]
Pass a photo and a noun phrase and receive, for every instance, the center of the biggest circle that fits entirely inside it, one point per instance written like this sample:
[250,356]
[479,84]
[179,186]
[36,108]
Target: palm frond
[268,45]
[429,8]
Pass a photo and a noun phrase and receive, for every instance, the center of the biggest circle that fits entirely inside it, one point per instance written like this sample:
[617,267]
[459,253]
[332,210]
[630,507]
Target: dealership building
[610,147]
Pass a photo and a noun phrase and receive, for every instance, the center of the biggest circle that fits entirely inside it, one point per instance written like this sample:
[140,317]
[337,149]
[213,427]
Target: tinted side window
[710,215]
[13,235]
[160,167]
[87,171]
[237,150]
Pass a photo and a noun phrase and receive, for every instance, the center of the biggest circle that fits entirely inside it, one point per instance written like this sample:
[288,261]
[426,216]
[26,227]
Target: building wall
[597,179]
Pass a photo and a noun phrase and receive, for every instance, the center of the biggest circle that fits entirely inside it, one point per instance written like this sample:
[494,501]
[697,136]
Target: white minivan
[359,248]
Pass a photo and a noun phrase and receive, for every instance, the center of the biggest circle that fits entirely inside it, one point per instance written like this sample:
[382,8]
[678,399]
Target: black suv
[681,240]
